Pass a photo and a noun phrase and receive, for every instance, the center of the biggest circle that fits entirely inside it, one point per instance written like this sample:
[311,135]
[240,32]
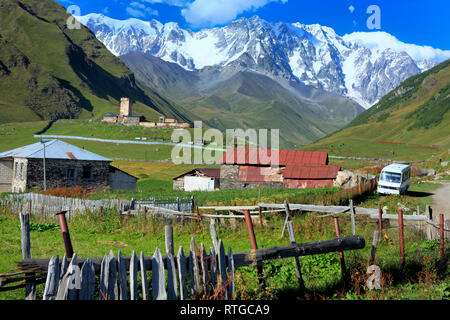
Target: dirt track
[441,200]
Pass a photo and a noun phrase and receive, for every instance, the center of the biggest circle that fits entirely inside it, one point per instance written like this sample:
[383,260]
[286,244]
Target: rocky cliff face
[308,54]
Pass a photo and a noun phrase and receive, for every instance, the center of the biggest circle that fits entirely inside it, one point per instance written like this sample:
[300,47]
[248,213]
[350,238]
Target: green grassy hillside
[48,71]
[412,122]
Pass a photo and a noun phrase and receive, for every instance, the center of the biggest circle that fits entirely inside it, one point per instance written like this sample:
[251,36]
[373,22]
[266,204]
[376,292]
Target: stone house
[201,179]
[242,168]
[65,166]
[126,117]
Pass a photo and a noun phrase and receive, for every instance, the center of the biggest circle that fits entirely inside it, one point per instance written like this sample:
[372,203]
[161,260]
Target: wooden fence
[196,276]
[45,205]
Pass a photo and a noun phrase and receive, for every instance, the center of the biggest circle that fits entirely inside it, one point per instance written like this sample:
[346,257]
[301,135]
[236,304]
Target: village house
[240,169]
[65,166]
[201,179]
[126,117]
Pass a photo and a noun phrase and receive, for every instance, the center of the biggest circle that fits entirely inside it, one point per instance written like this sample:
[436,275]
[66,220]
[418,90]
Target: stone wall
[229,179]
[178,184]
[58,175]
[20,172]
[6,174]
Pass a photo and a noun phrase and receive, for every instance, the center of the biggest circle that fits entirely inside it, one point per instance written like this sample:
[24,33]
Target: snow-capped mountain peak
[363,65]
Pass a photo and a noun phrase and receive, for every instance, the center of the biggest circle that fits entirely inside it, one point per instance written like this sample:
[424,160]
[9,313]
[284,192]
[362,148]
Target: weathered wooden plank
[122,277]
[298,271]
[222,279]
[352,217]
[145,293]
[212,229]
[104,277]
[112,277]
[314,208]
[251,258]
[194,268]
[52,282]
[231,286]
[286,208]
[158,277]
[133,277]
[182,275]
[172,286]
[227,208]
[87,289]
[30,285]
[74,279]
[213,268]
[376,236]
[204,269]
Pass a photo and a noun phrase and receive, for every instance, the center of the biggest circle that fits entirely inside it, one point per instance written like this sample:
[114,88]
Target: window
[391,177]
[87,172]
[21,171]
[15,170]
[70,173]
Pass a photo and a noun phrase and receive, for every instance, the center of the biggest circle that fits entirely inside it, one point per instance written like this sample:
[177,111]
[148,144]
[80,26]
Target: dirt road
[441,200]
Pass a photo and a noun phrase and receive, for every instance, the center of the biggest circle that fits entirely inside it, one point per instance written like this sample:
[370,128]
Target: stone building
[126,117]
[241,168]
[65,166]
[201,179]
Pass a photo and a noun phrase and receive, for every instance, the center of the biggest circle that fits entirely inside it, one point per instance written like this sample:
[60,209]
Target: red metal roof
[285,157]
[311,172]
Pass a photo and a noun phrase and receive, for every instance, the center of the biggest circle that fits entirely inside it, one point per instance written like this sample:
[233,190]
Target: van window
[391,177]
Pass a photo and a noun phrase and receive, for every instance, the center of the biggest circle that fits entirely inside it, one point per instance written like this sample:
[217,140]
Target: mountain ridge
[48,71]
[308,54]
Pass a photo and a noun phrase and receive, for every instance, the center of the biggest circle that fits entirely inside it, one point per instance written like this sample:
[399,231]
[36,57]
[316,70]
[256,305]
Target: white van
[394,179]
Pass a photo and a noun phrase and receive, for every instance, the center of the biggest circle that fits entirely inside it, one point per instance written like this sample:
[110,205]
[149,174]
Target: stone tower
[125,107]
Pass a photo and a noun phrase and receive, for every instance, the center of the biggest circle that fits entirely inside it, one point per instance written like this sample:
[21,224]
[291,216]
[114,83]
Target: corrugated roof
[209,172]
[54,149]
[285,157]
[311,172]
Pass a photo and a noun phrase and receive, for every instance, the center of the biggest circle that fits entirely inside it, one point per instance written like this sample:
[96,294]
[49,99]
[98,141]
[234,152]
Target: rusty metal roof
[285,157]
[311,172]
[209,172]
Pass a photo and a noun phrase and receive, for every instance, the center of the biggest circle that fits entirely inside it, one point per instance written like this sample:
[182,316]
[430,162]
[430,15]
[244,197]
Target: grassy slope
[75,70]
[403,125]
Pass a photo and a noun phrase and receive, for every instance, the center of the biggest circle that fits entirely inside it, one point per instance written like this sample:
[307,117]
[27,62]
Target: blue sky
[412,21]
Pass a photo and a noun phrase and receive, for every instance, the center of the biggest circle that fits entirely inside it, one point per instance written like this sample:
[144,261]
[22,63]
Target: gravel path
[441,200]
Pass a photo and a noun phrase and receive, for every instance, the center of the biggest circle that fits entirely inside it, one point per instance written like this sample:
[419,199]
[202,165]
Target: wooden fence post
[181,261]
[133,277]
[429,227]
[253,244]
[341,254]
[380,219]
[401,238]
[376,236]
[352,217]
[298,271]
[30,287]
[172,286]
[287,210]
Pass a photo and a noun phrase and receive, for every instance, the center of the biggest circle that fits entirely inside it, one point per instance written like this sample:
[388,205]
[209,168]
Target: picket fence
[46,205]
[196,276]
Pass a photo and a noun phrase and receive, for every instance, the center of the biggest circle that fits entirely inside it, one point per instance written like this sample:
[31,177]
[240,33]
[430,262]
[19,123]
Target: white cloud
[140,10]
[204,13]
[382,40]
